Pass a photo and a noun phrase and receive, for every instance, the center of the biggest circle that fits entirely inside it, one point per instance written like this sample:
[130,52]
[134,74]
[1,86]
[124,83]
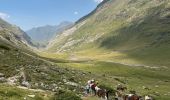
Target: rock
[12,80]
[72,84]
[59,83]
[156,86]
[2,79]
[64,80]
[156,93]
[36,84]
[146,88]
[25,83]
[54,85]
[42,84]
[73,72]
[2,75]
[32,96]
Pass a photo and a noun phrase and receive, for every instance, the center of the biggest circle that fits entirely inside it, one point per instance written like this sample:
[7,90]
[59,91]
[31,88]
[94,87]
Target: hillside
[126,39]
[42,35]
[13,34]
[24,73]
[135,29]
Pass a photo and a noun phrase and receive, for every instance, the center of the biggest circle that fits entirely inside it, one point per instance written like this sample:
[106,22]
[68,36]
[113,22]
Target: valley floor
[144,79]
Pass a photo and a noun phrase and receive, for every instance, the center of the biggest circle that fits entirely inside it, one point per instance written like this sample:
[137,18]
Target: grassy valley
[120,42]
[121,38]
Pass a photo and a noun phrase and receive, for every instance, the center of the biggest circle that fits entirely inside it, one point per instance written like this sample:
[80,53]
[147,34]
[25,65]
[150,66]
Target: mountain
[135,28]
[125,41]
[43,34]
[13,34]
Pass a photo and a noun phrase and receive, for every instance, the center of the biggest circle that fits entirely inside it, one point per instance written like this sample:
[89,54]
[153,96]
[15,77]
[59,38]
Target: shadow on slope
[147,37]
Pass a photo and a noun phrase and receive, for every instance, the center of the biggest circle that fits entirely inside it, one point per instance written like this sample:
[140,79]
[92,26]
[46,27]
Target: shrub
[4,47]
[65,95]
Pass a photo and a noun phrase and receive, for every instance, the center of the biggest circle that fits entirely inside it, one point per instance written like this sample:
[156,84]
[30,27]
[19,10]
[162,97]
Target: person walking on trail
[119,95]
[93,85]
[87,88]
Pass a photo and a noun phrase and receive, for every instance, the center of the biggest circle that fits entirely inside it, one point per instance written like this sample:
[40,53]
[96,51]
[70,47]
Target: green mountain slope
[13,34]
[137,29]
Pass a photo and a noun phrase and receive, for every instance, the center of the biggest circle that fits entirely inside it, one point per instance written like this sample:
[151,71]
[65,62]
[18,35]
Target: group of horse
[92,88]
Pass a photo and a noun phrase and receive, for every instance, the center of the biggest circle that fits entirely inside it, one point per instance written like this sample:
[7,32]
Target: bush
[4,47]
[65,95]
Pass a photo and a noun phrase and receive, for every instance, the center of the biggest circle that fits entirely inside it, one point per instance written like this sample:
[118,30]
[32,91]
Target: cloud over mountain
[4,15]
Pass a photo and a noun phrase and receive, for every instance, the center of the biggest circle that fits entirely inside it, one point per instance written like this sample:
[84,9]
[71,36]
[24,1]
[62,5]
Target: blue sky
[34,13]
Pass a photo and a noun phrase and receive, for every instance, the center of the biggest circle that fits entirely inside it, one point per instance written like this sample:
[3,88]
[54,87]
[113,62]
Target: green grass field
[8,92]
[112,68]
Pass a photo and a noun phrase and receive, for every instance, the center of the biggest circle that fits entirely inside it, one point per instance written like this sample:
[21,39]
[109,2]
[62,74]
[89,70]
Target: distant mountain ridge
[42,35]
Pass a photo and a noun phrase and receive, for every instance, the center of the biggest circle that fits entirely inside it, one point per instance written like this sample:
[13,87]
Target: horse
[102,93]
[131,97]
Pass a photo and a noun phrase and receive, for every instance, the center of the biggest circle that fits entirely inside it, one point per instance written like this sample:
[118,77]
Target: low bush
[65,95]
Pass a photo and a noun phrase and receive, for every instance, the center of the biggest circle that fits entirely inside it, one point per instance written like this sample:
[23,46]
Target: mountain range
[42,35]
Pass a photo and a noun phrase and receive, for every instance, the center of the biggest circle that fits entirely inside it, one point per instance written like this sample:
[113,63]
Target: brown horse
[133,97]
[101,93]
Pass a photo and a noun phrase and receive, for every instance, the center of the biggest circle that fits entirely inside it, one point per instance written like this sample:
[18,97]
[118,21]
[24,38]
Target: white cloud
[98,1]
[4,15]
[76,13]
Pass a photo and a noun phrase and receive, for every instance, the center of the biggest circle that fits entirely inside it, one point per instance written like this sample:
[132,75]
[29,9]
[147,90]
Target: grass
[13,93]
[134,77]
